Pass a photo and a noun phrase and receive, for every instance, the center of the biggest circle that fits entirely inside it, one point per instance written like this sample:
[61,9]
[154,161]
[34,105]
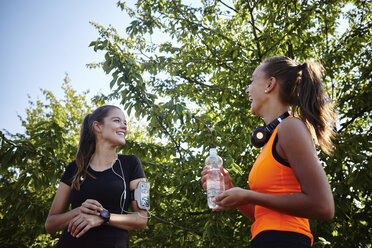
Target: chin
[253,112]
[120,142]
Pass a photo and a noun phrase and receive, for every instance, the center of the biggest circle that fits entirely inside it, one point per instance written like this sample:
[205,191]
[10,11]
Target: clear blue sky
[41,41]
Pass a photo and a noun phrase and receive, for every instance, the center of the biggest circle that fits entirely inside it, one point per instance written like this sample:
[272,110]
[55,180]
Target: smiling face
[256,90]
[114,128]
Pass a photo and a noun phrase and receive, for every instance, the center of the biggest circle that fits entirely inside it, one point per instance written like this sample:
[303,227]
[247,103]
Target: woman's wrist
[76,211]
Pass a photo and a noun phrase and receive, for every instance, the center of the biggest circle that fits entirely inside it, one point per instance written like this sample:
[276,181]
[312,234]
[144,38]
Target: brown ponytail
[87,143]
[302,88]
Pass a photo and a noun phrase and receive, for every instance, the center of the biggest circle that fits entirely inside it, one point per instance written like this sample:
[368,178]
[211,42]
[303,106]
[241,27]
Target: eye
[116,120]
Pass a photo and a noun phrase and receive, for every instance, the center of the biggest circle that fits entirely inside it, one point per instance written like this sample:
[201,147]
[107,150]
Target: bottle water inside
[215,179]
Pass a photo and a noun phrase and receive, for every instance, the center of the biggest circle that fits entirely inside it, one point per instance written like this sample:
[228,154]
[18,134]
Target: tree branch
[160,166]
[175,225]
[227,6]
[254,29]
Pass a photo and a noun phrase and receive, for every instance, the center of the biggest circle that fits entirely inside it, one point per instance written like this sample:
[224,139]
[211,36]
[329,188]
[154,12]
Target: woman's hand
[231,199]
[227,179]
[88,217]
[82,223]
[91,207]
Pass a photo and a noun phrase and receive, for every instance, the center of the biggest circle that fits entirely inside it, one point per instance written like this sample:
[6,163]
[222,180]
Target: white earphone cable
[124,194]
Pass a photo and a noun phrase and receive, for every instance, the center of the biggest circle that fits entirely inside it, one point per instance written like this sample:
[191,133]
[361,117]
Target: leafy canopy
[182,70]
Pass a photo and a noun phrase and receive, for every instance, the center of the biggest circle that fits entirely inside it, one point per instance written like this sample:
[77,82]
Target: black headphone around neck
[262,134]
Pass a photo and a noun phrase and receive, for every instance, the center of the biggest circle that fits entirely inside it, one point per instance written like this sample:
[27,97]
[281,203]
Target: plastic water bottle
[215,180]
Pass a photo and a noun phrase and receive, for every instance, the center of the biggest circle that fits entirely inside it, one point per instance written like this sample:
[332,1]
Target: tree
[32,164]
[189,86]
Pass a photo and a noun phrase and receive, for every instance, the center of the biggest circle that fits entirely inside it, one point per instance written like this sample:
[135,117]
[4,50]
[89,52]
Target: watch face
[105,215]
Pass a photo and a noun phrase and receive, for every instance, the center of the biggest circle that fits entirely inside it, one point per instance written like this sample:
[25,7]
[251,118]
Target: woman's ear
[97,127]
[271,84]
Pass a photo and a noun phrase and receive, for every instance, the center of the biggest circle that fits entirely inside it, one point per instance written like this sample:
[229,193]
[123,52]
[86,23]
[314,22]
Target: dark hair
[87,143]
[302,88]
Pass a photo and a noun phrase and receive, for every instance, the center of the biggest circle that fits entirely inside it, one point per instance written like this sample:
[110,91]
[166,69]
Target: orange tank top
[269,176]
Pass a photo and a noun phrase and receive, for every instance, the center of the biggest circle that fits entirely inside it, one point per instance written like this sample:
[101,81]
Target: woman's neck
[273,107]
[273,113]
[103,158]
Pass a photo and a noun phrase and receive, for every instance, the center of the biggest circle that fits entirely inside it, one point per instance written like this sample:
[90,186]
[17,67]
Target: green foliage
[32,164]
[184,69]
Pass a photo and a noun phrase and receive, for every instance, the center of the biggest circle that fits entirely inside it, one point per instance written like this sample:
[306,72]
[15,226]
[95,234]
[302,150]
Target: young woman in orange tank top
[287,183]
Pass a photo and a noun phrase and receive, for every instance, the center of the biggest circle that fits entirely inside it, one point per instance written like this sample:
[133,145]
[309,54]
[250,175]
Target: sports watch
[105,215]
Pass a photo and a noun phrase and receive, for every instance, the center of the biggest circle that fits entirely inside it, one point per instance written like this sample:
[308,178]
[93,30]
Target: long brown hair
[302,88]
[87,143]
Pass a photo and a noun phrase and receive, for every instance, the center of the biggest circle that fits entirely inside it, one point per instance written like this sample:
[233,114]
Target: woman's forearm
[297,204]
[133,221]
[57,222]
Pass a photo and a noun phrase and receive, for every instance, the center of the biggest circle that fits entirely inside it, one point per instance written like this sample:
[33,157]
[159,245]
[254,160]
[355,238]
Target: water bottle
[215,180]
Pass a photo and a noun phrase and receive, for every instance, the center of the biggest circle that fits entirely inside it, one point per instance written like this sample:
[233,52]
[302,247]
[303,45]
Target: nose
[247,91]
[124,126]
